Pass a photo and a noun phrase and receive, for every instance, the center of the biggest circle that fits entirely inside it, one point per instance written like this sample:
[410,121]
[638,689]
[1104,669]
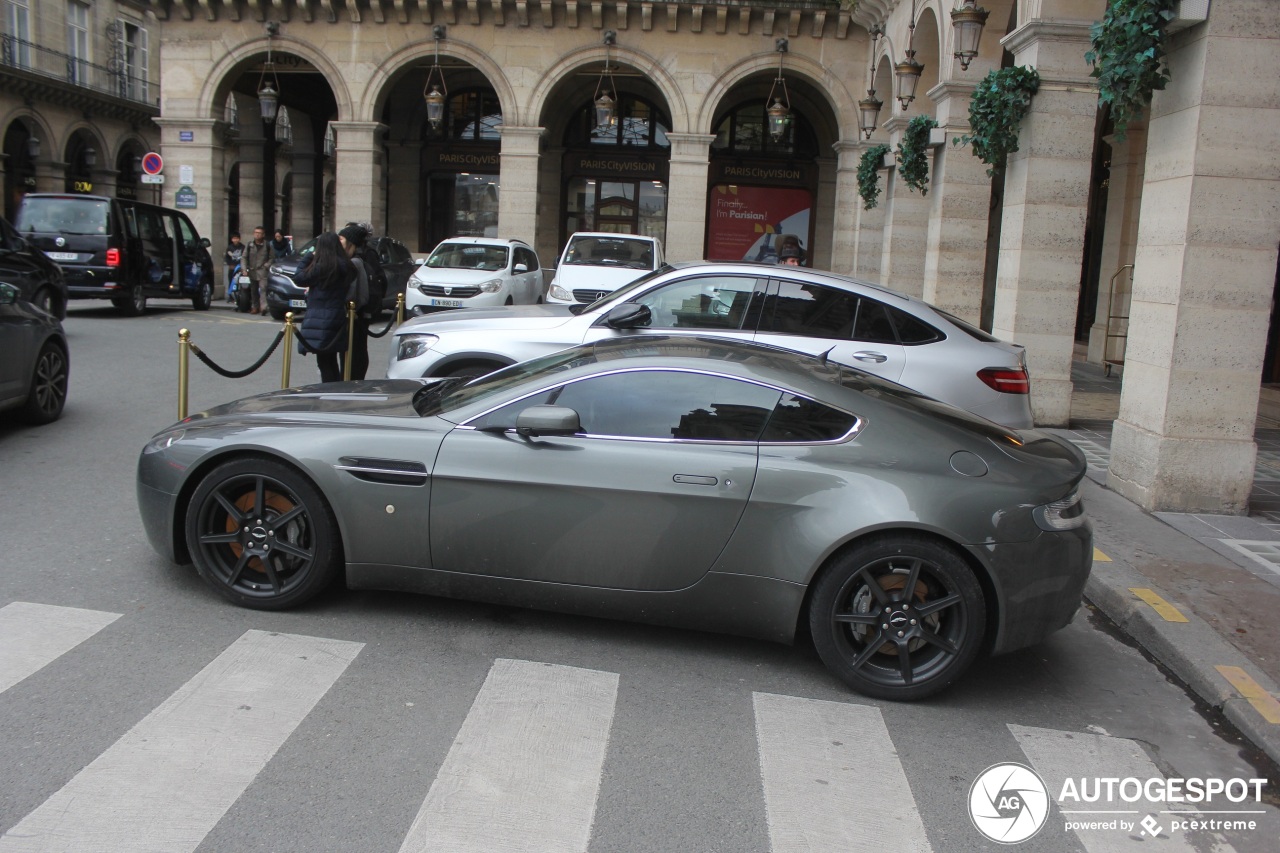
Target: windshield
[447,395]
[308,248]
[623,252]
[63,216]
[468,256]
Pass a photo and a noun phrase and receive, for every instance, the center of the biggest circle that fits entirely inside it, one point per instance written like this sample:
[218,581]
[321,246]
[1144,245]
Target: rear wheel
[262,535]
[898,618]
[48,386]
[133,305]
[203,300]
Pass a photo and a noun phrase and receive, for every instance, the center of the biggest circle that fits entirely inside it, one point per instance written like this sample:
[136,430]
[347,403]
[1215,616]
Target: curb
[1191,650]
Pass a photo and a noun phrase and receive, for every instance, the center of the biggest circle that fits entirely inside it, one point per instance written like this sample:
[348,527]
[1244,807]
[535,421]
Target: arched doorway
[21,149]
[81,157]
[459,168]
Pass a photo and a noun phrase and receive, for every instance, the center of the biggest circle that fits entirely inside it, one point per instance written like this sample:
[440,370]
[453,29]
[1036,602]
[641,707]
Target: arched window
[470,115]
[637,123]
[745,130]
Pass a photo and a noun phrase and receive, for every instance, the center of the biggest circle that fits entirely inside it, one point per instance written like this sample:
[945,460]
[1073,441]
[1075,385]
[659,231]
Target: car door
[643,498]
[816,318]
[17,347]
[531,283]
[724,305]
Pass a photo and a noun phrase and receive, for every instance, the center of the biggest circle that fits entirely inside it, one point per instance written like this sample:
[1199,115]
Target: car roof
[484,241]
[613,235]
[793,273]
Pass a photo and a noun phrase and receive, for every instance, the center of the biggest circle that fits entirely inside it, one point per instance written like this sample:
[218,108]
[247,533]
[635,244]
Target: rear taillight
[1006,381]
[113,257]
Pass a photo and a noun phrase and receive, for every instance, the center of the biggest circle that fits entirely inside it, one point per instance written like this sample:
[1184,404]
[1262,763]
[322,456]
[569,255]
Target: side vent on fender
[390,472]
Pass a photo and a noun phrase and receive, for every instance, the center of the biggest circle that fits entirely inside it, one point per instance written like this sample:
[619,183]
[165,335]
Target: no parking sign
[152,163]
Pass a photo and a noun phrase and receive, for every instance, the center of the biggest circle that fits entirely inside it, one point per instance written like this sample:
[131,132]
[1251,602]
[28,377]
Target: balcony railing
[37,59]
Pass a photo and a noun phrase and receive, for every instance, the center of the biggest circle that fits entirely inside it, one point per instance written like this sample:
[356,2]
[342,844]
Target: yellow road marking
[1166,610]
[1099,557]
[1262,701]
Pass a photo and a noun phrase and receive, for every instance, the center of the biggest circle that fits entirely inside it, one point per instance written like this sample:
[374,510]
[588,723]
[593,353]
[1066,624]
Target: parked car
[476,272]
[853,322]
[38,279]
[34,360]
[695,481]
[119,249]
[595,263]
[283,295]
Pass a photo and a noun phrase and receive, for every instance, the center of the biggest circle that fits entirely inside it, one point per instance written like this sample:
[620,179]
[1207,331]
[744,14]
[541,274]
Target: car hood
[438,275]
[381,398]
[511,317]
[288,265]
[583,277]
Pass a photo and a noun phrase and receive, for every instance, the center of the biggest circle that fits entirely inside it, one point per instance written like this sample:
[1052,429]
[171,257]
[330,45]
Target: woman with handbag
[328,277]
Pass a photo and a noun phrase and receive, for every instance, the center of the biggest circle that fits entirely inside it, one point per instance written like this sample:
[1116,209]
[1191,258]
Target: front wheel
[262,535]
[48,386]
[203,300]
[898,618]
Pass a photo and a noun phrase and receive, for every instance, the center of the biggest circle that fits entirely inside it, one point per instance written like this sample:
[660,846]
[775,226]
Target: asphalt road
[139,732]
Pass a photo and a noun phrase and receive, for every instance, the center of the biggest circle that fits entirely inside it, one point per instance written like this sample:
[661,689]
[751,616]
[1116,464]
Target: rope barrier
[237,374]
[391,323]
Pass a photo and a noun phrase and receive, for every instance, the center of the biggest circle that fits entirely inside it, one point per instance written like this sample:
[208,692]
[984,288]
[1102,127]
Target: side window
[874,325]
[800,420]
[401,254]
[188,234]
[710,302]
[811,310]
[670,404]
[530,259]
[505,418]
[912,330]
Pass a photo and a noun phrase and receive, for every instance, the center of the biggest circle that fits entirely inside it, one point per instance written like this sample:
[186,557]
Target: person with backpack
[330,279]
[355,240]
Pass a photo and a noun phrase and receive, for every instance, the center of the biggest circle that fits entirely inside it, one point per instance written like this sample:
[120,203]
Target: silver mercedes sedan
[699,482]
[854,322]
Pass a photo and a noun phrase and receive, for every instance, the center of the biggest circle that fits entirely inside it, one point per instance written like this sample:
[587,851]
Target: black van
[118,249]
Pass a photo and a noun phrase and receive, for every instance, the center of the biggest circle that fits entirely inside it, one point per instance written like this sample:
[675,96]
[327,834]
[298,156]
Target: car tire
[933,633]
[241,511]
[203,300]
[511,300]
[133,305]
[45,301]
[277,313]
[48,386]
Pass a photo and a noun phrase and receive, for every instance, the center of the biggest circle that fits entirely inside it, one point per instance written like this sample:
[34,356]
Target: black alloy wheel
[48,386]
[262,535]
[133,305]
[203,298]
[898,618]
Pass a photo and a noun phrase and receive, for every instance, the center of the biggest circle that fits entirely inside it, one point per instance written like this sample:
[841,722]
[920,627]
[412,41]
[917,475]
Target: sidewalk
[1200,593]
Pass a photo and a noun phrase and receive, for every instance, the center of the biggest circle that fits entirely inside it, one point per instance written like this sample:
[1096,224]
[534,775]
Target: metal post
[288,350]
[351,331]
[399,309]
[184,342]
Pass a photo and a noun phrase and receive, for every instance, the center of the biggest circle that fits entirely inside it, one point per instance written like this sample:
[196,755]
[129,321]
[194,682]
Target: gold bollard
[399,309]
[184,341]
[288,350]
[351,332]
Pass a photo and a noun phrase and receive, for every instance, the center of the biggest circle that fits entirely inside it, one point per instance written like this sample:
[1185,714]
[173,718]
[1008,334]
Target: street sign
[152,163]
[185,198]
[151,179]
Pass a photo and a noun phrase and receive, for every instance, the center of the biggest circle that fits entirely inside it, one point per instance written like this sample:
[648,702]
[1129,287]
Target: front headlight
[492,286]
[558,292]
[1064,514]
[164,441]
[412,346]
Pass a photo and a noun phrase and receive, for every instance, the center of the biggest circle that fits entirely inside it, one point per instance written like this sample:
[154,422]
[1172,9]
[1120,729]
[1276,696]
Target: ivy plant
[996,107]
[869,175]
[913,153]
[1127,54]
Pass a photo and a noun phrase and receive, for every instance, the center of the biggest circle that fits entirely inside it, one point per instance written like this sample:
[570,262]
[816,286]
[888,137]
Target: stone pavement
[1200,593]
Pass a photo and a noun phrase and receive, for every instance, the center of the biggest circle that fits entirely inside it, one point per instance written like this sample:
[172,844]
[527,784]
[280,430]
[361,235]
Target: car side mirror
[520,268]
[628,315]
[548,420]
[204,243]
[418,262]
[9,295]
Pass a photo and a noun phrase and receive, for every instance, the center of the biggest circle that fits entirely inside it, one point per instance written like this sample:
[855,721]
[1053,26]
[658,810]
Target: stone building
[1159,251]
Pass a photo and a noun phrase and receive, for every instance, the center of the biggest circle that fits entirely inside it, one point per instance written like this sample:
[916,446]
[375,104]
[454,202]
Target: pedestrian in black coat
[327,277]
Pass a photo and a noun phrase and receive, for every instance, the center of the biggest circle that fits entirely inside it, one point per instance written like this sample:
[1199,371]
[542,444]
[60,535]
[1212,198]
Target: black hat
[789,252]
[355,234]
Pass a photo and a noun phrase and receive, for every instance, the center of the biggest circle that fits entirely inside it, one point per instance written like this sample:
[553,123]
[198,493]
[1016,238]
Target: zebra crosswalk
[524,770]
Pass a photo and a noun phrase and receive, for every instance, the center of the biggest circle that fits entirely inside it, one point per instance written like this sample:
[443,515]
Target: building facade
[1157,251]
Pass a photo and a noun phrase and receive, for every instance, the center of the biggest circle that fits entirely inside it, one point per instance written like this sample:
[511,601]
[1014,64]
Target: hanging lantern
[869,112]
[605,105]
[434,91]
[269,95]
[606,110]
[908,72]
[779,111]
[968,21]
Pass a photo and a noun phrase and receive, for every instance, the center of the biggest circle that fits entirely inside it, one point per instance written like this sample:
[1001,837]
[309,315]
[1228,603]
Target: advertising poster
[746,222]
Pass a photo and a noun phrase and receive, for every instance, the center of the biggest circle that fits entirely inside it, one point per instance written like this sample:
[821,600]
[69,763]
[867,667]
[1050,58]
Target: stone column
[51,175]
[1119,242]
[1045,206]
[303,195]
[844,228]
[358,153]
[404,203]
[906,223]
[868,248]
[104,179]
[1205,269]
[518,180]
[687,196]
[206,155]
[250,150]
[960,193]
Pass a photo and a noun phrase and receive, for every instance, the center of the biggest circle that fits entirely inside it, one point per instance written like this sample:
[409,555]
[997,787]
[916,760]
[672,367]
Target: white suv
[594,263]
[475,272]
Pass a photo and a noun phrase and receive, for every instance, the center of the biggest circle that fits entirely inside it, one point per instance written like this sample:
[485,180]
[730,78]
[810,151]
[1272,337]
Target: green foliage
[913,153]
[1127,54]
[869,175]
[995,110]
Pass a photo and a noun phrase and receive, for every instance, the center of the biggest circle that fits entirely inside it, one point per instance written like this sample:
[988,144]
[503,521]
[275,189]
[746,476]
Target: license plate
[445,303]
[245,280]
[297,303]
[62,256]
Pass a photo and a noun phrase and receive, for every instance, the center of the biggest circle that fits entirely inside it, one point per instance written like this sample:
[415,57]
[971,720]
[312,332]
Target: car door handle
[695,480]
[867,355]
